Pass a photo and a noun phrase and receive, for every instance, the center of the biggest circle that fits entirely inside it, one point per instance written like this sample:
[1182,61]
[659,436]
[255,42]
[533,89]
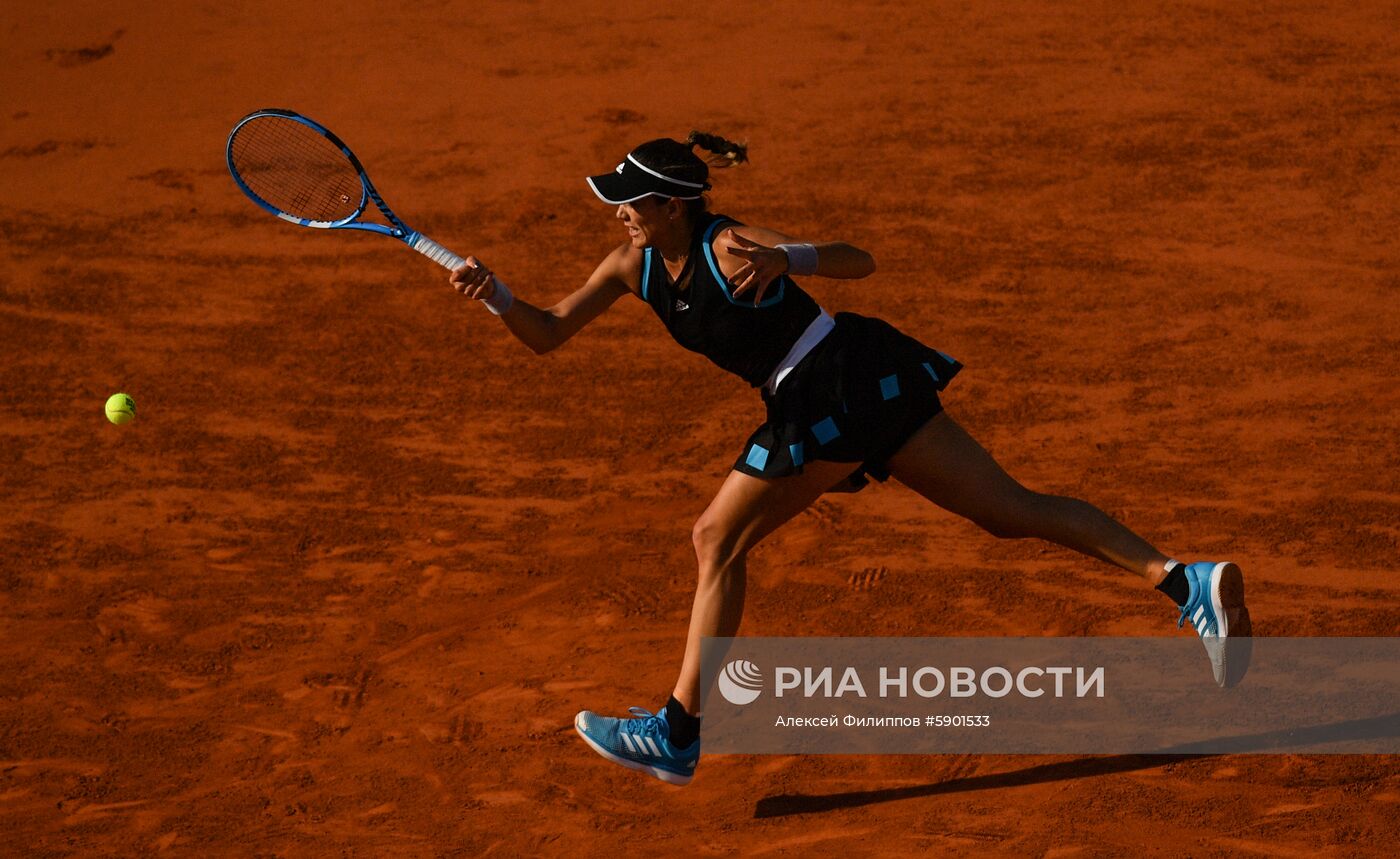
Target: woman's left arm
[840,260]
[753,259]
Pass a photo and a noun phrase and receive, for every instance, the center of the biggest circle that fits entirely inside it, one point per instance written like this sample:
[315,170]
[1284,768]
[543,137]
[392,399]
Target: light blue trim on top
[724,282]
[646,272]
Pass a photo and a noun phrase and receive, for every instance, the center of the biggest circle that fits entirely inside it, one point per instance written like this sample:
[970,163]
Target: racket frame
[397,228]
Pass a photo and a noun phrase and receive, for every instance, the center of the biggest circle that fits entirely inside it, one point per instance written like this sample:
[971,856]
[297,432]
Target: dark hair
[679,161]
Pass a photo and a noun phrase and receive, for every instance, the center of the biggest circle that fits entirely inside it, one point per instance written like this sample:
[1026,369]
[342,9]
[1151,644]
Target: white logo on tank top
[681,305]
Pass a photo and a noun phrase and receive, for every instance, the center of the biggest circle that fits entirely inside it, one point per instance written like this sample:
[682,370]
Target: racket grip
[437,253]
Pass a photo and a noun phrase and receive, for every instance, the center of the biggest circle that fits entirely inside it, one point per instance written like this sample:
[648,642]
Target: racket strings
[296,169]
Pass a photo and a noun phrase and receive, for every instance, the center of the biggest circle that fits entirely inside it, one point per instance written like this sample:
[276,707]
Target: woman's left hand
[762,266]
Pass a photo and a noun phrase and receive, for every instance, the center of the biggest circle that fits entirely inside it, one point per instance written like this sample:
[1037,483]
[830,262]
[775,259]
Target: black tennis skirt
[857,397]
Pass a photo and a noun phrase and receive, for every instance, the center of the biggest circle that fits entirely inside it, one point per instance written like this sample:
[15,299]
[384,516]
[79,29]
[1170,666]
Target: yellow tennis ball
[121,409]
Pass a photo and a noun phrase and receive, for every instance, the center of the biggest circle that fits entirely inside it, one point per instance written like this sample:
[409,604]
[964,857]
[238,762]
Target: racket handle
[437,253]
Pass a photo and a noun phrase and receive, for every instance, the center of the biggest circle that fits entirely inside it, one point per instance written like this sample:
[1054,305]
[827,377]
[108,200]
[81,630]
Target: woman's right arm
[545,329]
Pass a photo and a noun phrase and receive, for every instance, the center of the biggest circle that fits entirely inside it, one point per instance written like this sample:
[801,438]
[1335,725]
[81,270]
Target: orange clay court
[340,587]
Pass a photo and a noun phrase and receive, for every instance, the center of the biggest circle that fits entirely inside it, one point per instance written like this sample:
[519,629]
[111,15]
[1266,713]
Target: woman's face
[648,219]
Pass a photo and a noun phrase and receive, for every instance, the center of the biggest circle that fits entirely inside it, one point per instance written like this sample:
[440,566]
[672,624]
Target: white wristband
[500,300]
[802,259]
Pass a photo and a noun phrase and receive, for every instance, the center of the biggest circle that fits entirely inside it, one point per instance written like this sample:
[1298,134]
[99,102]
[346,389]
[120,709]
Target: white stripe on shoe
[657,772]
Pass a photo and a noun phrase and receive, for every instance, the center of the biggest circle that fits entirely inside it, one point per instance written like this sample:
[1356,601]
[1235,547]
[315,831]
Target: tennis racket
[298,170]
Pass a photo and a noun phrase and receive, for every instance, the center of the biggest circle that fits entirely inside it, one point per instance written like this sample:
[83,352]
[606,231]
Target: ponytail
[723,153]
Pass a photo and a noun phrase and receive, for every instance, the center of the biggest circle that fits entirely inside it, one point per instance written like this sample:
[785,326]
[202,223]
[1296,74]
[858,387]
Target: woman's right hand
[474,280]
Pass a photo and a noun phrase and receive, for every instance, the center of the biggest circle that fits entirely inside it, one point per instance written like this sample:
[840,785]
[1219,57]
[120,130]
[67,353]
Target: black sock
[1175,584]
[685,728]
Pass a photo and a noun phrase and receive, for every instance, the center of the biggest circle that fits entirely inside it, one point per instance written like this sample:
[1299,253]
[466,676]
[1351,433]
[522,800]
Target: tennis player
[848,398]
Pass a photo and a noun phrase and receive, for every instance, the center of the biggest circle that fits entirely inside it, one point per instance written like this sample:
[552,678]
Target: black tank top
[703,317]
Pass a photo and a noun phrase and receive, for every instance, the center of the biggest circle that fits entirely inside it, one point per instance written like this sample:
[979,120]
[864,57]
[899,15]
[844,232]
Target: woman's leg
[948,467]
[744,511]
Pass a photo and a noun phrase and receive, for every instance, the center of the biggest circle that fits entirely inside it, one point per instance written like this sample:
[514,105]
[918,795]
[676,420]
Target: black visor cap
[632,180]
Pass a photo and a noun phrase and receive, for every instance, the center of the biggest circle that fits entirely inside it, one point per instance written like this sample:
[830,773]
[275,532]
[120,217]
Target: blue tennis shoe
[1217,611]
[640,743]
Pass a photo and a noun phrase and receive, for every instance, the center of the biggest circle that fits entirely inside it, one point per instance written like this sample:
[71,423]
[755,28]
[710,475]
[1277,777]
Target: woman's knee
[717,543]
[1016,517]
